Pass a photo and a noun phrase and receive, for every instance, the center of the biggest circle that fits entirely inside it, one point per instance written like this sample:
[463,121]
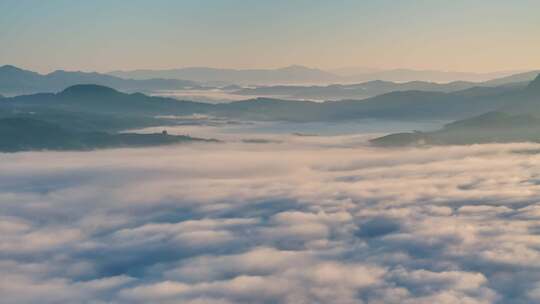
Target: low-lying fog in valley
[215,95]
[241,130]
[288,215]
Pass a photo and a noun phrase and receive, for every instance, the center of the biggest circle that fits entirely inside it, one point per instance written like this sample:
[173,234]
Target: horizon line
[327,70]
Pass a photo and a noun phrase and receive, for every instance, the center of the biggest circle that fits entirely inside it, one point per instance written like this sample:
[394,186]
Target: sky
[481,36]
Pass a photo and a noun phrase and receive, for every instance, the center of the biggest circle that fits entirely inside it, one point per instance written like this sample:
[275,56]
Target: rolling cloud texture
[314,220]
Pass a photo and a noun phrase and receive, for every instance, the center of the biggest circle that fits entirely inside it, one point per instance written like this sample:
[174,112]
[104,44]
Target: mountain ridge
[408,105]
[28,134]
[85,109]
[515,121]
[16,81]
[289,74]
[535,84]
[253,76]
[357,91]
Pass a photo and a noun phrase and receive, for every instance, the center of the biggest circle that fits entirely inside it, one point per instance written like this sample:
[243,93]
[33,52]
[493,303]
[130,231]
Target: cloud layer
[312,220]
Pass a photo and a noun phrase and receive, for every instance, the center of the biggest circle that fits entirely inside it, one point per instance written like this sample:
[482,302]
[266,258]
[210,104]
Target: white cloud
[313,220]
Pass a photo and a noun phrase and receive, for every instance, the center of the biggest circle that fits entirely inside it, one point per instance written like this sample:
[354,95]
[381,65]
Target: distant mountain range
[491,127]
[101,100]
[514,78]
[517,120]
[305,75]
[84,117]
[369,89]
[15,81]
[291,74]
[25,134]
[405,105]
[90,116]
[406,75]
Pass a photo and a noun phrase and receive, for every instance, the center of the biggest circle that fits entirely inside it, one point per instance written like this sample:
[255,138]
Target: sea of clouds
[303,220]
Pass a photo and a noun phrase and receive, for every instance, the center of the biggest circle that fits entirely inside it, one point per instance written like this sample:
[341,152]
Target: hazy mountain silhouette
[406,75]
[534,86]
[491,127]
[303,75]
[83,116]
[357,91]
[24,134]
[517,120]
[290,74]
[410,105]
[15,81]
[104,100]
[528,100]
[514,78]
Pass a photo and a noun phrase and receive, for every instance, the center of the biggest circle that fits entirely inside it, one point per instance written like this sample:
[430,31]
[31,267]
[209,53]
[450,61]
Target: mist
[303,220]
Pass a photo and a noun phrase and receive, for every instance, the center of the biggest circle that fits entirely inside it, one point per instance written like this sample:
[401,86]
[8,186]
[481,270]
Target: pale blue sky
[104,35]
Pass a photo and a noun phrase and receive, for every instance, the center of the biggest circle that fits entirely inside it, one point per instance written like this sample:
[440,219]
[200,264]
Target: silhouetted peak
[8,67]
[535,84]
[298,68]
[88,90]
[12,69]
[375,82]
[71,73]
[58,72]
